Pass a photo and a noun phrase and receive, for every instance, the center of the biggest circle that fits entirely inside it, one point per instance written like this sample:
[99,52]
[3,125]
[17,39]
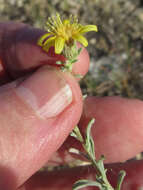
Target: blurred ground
[116,51]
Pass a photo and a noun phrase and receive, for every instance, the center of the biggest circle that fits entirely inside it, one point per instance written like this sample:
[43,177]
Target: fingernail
[46,92]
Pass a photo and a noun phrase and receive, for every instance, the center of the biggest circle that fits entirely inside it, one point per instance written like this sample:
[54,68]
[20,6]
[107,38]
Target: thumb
[36,116]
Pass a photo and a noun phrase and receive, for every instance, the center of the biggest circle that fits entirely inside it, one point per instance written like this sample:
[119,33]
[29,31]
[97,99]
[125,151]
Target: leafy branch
[88,145]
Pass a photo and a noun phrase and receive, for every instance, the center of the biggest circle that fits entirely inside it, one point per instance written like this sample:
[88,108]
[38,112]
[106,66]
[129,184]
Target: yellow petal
[88,28]
[81,39]
[59,45]
[46,47]
[43,38]
[49,40]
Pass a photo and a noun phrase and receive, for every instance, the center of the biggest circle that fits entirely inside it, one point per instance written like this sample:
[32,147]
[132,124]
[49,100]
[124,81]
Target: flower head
[64,32]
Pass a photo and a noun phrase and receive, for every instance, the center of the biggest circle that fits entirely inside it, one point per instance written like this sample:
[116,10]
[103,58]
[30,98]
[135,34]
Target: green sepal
[79,50]
[59,62]
[73,61]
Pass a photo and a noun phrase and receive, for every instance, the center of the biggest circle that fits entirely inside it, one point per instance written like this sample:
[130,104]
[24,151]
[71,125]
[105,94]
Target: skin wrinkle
[25,141]
[12,134]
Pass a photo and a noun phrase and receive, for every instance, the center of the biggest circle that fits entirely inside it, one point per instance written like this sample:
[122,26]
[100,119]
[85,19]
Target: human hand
[38,109]
[25,141]
[117,134]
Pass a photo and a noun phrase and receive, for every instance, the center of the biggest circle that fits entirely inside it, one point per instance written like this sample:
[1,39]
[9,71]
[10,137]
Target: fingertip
[82,65]
[118,130]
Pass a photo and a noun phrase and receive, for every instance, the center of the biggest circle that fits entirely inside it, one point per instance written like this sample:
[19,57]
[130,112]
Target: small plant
[63,35]
[88,145]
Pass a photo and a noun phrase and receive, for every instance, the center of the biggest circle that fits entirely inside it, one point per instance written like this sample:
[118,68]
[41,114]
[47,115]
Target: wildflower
[63,33]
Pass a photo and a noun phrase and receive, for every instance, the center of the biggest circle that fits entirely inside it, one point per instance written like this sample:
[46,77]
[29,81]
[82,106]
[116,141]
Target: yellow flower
[64,32]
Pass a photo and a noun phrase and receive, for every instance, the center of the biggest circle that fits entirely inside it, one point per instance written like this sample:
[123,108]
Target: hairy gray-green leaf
[100,164]
[74,151]
[89,143]
[84,96]
[121,176]
[85,183]
[76,134]
[73,61]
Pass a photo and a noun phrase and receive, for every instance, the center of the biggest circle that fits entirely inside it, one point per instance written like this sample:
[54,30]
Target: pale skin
[38,113]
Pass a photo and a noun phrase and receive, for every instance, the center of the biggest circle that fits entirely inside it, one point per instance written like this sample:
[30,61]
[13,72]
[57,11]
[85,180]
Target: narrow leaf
[59,63]
[74,61]
[79,50]
[76,134]
[92,147]
[100,164]
[84,96]
[74,151]
[89,141]
[73,134]
[78,152]
[85,183]
[121,176]
[89,129]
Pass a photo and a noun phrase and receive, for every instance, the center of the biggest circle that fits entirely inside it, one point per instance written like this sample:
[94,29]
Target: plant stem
[104,181]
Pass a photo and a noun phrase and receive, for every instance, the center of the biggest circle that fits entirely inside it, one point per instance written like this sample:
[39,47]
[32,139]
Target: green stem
[88,146]
[104,181]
